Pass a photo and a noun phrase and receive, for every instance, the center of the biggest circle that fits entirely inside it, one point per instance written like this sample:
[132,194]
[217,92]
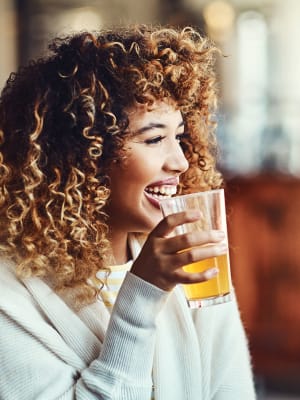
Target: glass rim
[185,196]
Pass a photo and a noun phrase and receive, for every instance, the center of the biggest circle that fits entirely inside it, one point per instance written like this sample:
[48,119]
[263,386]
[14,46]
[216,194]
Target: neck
[119,243]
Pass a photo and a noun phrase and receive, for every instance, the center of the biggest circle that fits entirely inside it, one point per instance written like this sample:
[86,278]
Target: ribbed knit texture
[110,288]
[48,352]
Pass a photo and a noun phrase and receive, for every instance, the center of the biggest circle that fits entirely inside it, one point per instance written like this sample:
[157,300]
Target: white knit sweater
[49,352]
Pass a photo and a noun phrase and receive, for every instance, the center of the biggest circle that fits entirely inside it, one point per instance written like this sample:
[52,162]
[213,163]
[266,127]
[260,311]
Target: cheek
[129,179]
[140,170]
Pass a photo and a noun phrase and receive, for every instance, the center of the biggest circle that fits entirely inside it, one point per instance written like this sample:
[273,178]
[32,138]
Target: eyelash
[159,139]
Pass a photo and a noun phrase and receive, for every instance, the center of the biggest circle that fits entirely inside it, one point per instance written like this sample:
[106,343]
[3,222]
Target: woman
[91,138]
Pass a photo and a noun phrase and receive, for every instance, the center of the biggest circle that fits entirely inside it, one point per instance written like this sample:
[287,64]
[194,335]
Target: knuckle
[177,275]
[157,246]
[190,256]
[176,261]
[188,278]
[156,256]
[184,214]
[187,240]
[169,221]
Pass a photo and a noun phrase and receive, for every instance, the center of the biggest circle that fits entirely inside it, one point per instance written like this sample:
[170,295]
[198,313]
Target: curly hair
[63,121]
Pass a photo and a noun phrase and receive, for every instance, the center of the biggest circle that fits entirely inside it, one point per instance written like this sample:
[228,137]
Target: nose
[175,160]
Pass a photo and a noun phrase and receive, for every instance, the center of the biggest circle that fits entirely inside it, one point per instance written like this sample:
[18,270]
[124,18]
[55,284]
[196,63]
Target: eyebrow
[153,125]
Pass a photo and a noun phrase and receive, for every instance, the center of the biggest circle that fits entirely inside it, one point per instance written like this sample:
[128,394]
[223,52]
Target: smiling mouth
[161,192]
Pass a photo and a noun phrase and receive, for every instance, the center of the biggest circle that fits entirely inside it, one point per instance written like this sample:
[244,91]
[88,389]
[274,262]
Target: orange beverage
[217,286]
[211,205]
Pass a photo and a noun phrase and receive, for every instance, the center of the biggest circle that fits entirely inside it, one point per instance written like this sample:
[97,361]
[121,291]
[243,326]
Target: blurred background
[259,135]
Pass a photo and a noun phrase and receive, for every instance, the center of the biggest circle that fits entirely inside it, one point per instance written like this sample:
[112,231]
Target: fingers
[195,254]
[197,277]
[173,264]
[166,270]
[190,240]
[187,240]
[169,223]
[162,257]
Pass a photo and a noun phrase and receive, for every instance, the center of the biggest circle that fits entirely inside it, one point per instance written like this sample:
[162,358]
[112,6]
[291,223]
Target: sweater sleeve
[126,359]
[121,371]
[223,340]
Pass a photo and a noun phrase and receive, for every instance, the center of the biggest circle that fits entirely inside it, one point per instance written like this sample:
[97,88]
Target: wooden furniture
[264,236]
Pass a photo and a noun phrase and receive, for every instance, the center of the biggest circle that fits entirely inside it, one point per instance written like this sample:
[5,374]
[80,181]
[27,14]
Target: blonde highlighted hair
[63,121]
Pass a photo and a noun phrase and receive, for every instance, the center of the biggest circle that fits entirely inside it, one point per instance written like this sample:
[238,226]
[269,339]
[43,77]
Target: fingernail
[211,272]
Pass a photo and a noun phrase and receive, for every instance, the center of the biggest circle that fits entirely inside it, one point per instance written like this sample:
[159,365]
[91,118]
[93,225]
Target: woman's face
[151,170]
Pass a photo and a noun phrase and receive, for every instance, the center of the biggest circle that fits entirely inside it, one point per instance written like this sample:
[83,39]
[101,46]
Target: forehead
[164,112]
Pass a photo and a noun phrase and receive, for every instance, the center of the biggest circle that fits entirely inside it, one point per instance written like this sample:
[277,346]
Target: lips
[161,190]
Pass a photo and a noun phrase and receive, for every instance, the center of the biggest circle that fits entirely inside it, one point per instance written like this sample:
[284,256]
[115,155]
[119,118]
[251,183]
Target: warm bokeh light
[78,19]
[219,16]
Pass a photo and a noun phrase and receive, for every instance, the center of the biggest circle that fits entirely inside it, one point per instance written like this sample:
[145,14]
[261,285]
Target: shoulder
[9,281]
[18,308]
[16,301]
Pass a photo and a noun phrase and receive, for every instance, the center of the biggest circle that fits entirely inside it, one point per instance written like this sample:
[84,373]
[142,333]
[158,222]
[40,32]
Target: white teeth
[162,191]
[170,190]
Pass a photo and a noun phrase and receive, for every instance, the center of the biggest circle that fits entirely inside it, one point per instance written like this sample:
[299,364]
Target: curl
[66,115]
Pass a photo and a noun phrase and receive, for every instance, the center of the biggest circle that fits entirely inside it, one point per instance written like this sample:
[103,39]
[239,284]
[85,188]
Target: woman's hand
[162,257]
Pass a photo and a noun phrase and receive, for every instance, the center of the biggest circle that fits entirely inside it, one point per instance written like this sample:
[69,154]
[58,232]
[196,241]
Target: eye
[154,140]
